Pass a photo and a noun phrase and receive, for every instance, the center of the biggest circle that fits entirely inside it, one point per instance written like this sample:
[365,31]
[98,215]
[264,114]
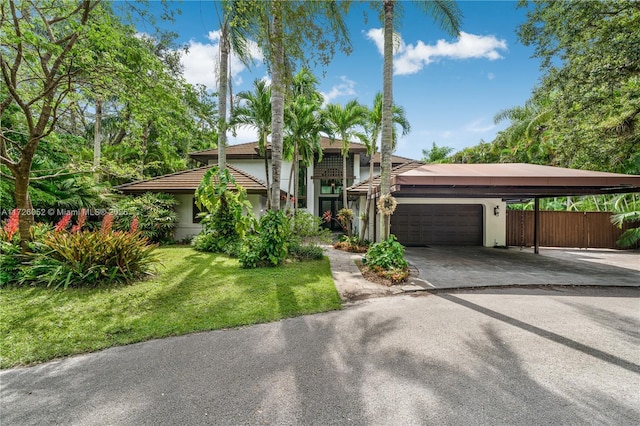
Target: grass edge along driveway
[191,292]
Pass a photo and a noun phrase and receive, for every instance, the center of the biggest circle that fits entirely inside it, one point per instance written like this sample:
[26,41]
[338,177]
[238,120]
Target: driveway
[455,267]
[507,356]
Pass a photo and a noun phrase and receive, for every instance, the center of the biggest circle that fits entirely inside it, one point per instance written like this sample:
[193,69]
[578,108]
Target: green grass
[191,292]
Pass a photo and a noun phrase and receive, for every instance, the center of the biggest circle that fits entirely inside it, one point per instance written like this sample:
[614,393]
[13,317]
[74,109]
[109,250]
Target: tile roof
[395,159]
[362,188]
[188,180]
[249,150]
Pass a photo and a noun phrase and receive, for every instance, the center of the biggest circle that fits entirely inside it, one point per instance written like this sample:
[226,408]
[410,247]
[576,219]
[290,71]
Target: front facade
[438,204]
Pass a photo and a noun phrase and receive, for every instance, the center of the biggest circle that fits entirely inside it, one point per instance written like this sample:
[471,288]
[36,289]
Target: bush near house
[76,257]
[155,212]
[386,258]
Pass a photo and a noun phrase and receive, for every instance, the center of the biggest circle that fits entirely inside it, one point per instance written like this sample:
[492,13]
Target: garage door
[438,224]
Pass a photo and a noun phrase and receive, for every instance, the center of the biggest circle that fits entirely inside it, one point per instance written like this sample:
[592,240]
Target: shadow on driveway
[463,267]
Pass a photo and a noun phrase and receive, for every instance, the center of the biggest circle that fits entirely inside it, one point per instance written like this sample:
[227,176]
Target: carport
[415,184]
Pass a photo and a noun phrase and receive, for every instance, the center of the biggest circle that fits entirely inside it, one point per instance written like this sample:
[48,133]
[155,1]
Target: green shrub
[10,255]
[387,255]
[305,251]
[307,227]
[155,212]
[211,242]
[271,244]
[88,259]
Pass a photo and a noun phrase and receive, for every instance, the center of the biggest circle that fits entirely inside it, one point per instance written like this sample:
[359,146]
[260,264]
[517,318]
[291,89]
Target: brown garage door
[438,224]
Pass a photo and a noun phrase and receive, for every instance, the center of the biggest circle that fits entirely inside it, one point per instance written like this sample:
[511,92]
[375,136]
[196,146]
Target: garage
[438,224]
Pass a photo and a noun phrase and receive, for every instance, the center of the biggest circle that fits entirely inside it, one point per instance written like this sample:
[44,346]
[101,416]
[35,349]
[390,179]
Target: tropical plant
[346,122]
[254,110]
[447,14]
[387,257]
[155,213]
[437,154]
[270,246]
[304,122]
[228,213]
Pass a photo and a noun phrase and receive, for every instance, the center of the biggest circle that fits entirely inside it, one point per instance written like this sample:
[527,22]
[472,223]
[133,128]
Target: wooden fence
[564,229]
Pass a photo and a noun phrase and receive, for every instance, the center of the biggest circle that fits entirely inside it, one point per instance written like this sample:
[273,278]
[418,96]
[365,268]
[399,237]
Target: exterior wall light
[496,211]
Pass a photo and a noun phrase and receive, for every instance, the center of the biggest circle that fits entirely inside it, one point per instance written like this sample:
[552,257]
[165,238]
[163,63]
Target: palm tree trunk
[296,177]
[387,111]
[277,105]
[365,225]
[222,96]
[266,168]
[344,181]
[97,135]
[291,177]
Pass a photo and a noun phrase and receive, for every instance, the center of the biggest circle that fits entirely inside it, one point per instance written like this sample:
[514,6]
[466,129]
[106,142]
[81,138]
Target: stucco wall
[495,227]
[186,227]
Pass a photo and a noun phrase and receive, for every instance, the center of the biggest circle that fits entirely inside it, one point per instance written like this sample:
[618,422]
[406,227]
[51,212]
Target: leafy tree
[447,15]
[346,122]
[437,154]
[591,60]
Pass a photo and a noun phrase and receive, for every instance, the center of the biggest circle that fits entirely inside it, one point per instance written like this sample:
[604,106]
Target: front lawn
[192,291]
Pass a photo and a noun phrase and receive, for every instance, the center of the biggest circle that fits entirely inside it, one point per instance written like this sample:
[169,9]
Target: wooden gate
[564,229]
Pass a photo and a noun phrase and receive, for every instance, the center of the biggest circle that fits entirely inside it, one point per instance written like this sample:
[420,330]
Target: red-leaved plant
[62,224]
[107,223]
[11,227]
[82,218]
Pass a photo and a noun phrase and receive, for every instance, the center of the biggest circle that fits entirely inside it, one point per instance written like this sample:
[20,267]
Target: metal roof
[505,180]
[188,180]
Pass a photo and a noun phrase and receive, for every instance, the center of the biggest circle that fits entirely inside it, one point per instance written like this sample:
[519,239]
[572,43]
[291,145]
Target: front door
[333,205]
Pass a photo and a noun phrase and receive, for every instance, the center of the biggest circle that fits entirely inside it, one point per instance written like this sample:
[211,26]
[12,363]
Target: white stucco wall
[186,227]
[494,227]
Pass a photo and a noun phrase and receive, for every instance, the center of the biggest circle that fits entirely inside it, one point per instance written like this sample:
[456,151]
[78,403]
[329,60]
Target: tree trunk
[23,204]
[277,105]
[387,111]
[266,169]
[222,96]
[296,176]
[97,135]
[365,225]
[344,180]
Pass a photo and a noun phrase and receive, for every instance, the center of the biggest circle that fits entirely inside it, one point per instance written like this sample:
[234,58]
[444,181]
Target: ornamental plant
[155,213]
[386,258]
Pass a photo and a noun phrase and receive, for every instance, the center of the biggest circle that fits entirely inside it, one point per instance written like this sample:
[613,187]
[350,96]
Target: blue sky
[451,88]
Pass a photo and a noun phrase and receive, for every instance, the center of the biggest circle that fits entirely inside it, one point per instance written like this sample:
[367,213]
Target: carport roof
[507,180]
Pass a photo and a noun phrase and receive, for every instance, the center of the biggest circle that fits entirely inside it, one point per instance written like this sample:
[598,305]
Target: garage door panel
[438,224]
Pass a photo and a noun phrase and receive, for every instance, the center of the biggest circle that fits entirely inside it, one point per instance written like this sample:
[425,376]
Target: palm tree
[344,121]
[372,128]
[254,110]
[232,38]
[304,122]
[447,14]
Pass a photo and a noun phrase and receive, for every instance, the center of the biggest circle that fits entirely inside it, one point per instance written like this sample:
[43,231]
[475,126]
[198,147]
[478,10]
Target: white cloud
[243,134]
[201,61]
[346,88]
[411,58]
[479,126]
[491,76]
[377,36]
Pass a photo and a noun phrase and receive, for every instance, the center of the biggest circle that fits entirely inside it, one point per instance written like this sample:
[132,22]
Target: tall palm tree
[254,110]
[345,123]
[372,129]
[232,39]
[447,14]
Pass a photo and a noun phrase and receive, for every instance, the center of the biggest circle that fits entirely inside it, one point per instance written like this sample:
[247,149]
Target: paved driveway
[453,267]
[515,356]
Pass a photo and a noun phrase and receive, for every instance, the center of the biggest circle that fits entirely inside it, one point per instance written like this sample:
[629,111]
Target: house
[465,204]
[320,187]
[438,204]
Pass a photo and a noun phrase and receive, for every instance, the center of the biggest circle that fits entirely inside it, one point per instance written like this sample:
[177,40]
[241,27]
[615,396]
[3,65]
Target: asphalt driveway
[455,267]
[508,356]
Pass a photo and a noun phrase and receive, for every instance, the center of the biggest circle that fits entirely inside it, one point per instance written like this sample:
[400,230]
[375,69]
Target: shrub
[9,263]
[270,246]
[155,212]
[306,227]
[387,255]
[352,244]
[211,242]
[305,251]
[224,223]
[87,258]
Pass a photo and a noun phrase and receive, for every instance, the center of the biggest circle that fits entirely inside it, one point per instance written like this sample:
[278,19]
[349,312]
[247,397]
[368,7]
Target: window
[330,186]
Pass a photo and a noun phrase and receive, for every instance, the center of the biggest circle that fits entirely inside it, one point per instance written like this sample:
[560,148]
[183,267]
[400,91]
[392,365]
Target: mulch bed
[369,275]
